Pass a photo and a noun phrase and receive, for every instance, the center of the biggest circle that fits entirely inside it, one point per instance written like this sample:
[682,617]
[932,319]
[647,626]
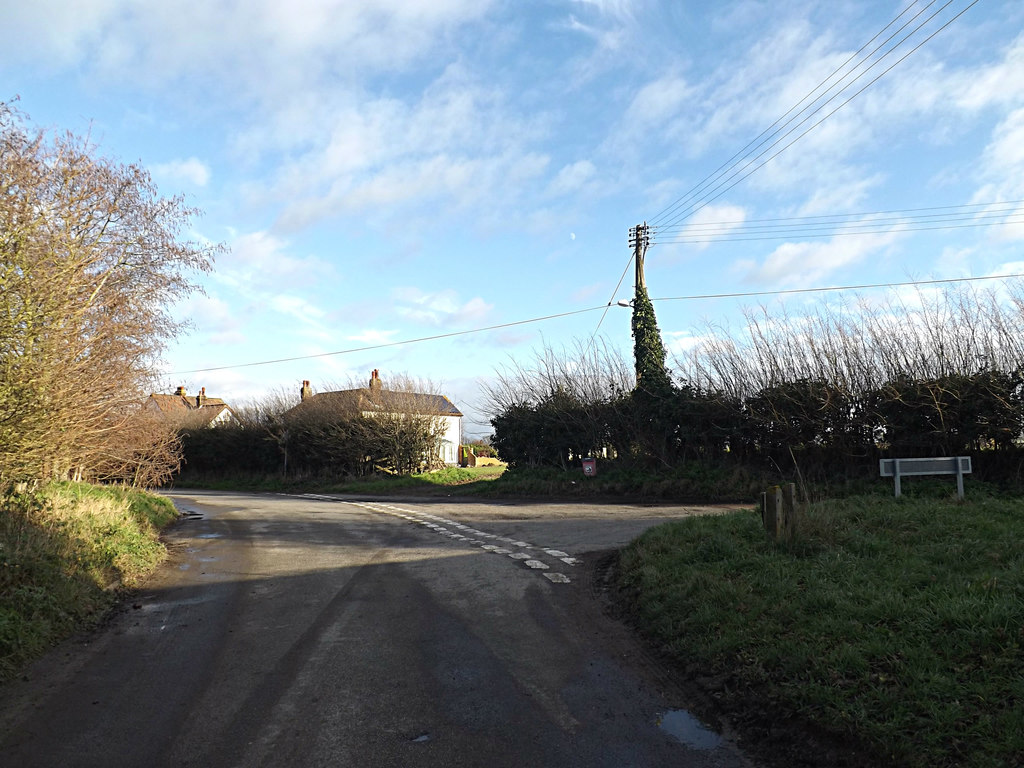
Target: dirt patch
[758,723]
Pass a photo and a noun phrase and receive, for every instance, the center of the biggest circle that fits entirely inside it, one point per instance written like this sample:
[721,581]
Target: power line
[757,141]
[1006,206]
[594,309]
[733,170]
[853,228]
[736,174]
[707,201]
[388,344]
[735,179]
[610,302]
[838,288]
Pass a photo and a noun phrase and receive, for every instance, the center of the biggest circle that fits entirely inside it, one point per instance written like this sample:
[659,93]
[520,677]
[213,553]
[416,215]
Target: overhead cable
[591,309]
[758,140]
[804,227]
[702,195]
[784,291]
[390,343]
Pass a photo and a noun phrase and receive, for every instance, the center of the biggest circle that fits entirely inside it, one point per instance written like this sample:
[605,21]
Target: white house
[375,400]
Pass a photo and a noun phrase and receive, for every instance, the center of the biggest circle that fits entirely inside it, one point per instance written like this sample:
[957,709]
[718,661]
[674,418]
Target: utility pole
[639,239]
[648,350]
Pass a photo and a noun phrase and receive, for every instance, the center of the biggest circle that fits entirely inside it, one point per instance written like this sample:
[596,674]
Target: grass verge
[63,553]
[467,480]
[898,624]
[693,483]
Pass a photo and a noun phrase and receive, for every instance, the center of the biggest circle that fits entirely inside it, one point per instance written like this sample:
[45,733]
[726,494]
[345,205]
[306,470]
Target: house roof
[384,401]
[173,404]
[182,406]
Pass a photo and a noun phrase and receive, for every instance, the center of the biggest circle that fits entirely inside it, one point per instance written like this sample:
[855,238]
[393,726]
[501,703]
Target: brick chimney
[201,398]
[375,385]
[180,392]
[305,391]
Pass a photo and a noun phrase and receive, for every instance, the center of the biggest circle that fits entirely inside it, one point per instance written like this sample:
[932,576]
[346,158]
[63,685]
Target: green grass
[63,551]
[899,623]
[466,480]
[442,480]
[692,482]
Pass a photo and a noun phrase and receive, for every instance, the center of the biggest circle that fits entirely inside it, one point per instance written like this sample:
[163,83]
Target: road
[325,631]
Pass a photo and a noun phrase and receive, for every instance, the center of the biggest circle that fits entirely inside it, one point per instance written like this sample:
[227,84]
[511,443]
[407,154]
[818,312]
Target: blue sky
[384,170]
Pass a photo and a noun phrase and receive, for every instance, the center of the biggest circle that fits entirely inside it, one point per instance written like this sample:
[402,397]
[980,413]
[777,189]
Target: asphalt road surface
[328,631]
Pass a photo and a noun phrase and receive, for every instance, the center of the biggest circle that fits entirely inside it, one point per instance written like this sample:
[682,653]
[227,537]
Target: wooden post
[772,511]
[788,526]
[779,512]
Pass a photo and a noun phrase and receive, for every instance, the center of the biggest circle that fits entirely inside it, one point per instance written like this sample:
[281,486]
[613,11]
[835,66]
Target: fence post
[771,511]
[788,511]
[779,512]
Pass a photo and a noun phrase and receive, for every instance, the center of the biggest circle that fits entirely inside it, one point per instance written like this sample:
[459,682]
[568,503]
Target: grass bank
[896,623]
[63,553]
[691,483]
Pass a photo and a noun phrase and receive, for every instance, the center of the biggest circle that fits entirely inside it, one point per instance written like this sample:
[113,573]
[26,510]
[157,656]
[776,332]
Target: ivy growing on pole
[648,351]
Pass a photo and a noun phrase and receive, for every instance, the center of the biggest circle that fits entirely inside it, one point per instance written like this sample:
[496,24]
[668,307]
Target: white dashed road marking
[443,527]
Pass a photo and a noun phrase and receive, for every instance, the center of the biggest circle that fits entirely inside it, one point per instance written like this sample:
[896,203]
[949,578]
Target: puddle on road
[687,729]
[209,535]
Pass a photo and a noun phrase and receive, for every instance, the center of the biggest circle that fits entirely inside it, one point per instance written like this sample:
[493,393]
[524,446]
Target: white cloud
[53,33]
[258,260]
[261,46]
[212,320]
[1004,156]
[572,178]
[998,83]
[298,308]
[607,22]
[372,336]
[1002,169]
[807,264]
[711,223]
[622,10]
[660,100]
[191,171]
[441,308]
[457,146]
[844,194]
[679,343]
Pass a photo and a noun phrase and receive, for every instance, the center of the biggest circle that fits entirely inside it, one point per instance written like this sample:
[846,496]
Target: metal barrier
[940,465]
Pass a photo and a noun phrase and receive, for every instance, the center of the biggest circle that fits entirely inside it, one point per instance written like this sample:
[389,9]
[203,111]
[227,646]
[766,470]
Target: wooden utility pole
[639,239]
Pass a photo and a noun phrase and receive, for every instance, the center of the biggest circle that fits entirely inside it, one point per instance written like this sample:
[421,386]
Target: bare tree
[91,260]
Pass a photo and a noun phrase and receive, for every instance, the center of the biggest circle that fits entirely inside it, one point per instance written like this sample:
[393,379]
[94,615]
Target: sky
[388,170]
